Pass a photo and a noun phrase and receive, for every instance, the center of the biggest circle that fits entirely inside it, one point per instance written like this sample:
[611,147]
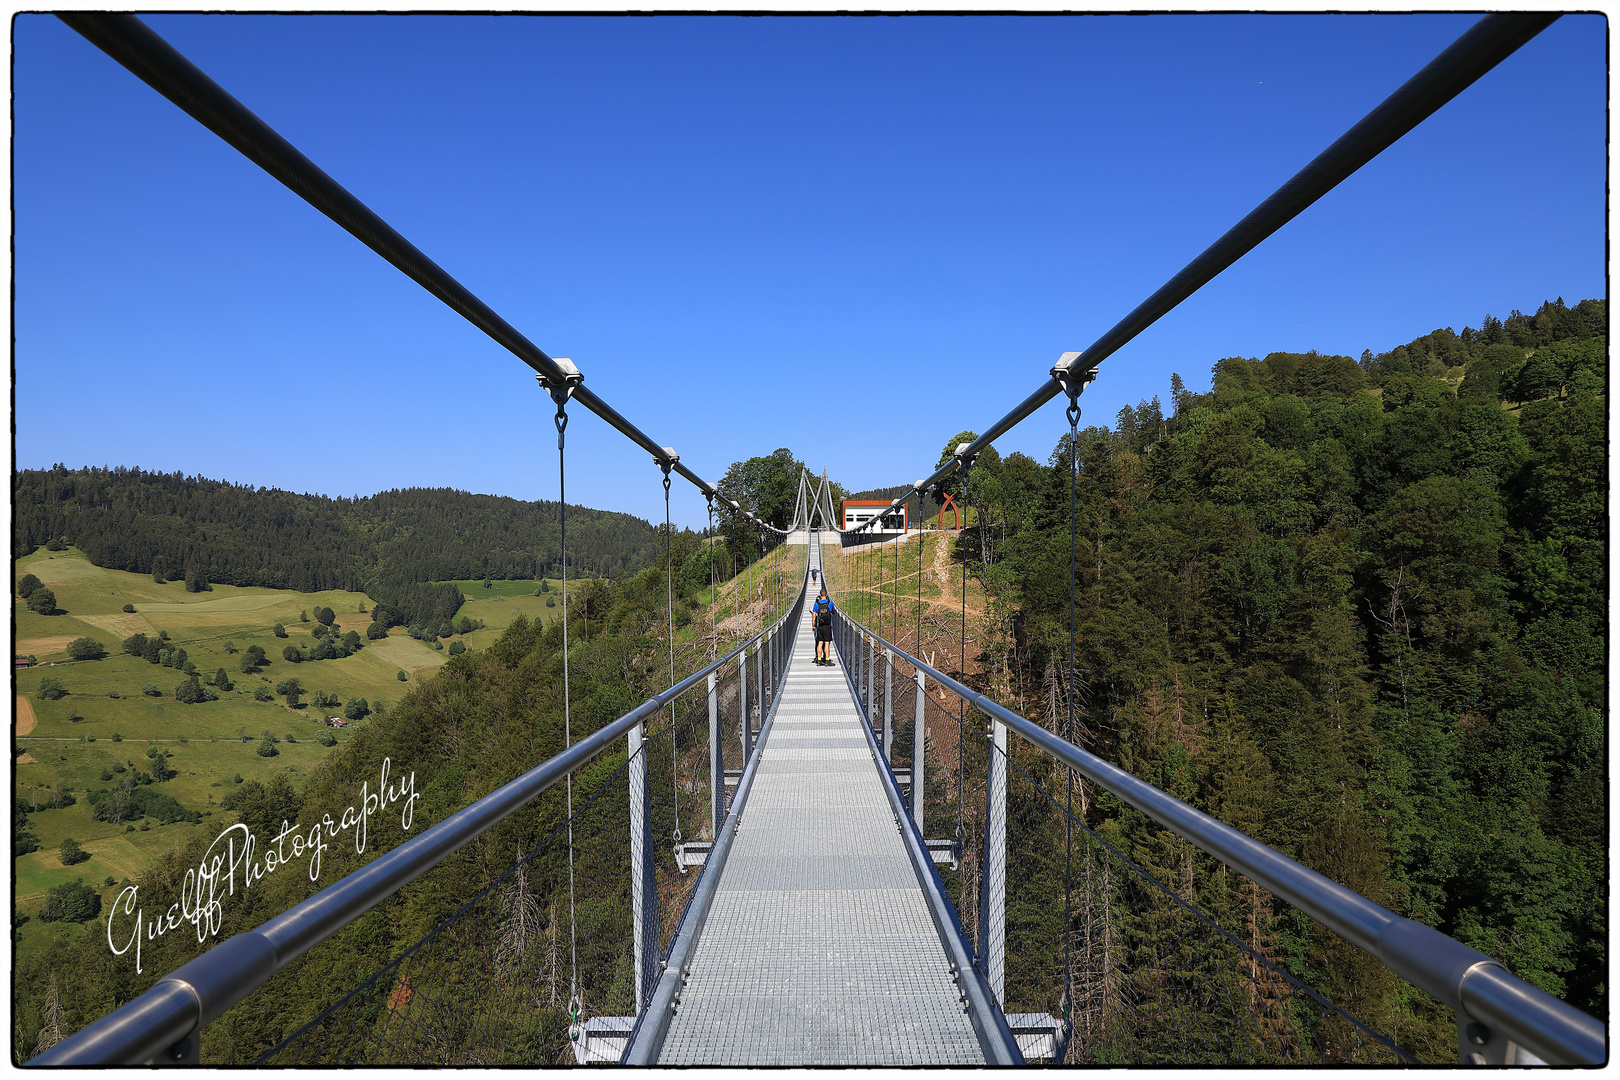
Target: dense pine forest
[1358,609]
[1355,608]
[236,534]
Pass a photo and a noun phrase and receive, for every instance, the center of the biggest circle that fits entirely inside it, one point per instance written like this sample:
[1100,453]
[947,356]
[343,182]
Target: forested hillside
[1359,609]
[236,534]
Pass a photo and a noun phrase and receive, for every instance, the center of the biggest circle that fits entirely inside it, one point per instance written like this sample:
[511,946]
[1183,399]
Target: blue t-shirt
[821,605]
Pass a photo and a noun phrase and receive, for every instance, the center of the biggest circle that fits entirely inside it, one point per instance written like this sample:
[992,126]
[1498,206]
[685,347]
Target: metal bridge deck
[819,949]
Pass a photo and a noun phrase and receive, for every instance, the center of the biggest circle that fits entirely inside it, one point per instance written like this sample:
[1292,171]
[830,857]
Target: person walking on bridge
[821,615]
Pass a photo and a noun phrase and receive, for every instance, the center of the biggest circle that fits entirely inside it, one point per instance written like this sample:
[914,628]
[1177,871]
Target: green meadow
[76,739]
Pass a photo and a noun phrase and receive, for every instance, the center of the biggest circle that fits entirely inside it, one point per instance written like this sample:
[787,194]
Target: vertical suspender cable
[669,588]
[714,621]
[1068,818]
[961,704]
[560,394]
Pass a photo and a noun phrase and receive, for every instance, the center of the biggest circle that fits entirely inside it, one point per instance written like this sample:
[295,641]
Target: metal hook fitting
[561,392]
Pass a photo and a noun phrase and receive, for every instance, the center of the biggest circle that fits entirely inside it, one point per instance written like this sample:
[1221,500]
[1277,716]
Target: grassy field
[76,738]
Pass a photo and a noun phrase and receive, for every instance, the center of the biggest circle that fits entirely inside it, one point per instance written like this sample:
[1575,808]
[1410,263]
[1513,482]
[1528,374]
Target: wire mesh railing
[504,979]
[1101,950]
[540,969]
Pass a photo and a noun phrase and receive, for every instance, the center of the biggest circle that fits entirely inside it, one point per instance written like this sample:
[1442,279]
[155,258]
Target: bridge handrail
[1474,985]
[167,1018]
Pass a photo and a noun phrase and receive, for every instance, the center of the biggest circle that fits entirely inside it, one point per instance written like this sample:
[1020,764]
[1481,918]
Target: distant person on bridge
[813,573]
[822,611]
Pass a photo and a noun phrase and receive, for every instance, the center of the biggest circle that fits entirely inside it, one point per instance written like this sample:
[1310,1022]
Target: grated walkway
[819,949]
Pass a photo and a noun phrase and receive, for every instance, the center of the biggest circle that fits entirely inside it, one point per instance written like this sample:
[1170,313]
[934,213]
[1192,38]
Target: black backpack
[824,618]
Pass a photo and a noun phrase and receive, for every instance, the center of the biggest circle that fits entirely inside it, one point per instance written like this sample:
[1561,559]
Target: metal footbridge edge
[989,1022]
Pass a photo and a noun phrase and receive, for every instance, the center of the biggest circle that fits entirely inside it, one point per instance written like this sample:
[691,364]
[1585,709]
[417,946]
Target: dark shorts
[823,633]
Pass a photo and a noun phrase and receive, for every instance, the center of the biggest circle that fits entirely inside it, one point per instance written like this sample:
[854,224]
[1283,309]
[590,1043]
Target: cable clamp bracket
[561,391]
[1073,382]
[667,462]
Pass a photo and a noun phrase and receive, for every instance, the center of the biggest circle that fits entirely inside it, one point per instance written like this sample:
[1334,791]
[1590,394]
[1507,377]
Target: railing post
[871,681]
[993,910]
[759,673]
[888,706]
[918,733]
[744,733]
[640,867]
[717,763]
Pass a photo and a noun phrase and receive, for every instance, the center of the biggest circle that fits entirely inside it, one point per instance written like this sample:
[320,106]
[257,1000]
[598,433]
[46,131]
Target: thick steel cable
[669,586]
[1484,45]
[154,61]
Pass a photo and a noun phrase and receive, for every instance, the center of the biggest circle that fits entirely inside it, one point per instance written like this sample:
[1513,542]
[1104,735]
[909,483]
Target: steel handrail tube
[198,992]
[1441,966]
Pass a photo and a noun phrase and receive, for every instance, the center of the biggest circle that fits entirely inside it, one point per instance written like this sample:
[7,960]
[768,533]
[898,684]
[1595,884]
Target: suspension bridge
[890,868]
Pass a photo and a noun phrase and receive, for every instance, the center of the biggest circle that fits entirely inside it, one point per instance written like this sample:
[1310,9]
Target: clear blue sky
[850,236]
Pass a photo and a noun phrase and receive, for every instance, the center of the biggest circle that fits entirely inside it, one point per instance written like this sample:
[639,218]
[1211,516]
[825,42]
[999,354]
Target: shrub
[268,749]
[151,690]
[129,609]
[59,797]
[117,737]
[324,650]
[376,631]
[54,544]
[192,691]
[230,648]
[72,901]
[356,709]
[279,630]
[303,616]
[86,648]
[325,615]
[112,694]
[292,655]
[28,585]
[163,635]
[319,631]
[43,602]
[141,802]
[291,738]
[457,648]
[326,738]
[400,675]
[72,853]
[196,582]
[50,688]
[223,681]
[262,693]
